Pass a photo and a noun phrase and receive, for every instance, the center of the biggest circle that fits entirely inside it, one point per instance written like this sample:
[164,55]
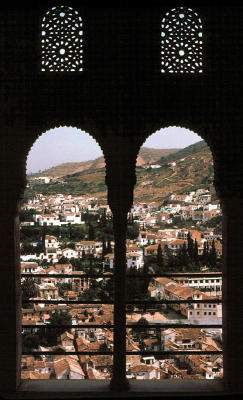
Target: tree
[70,230]
[130,308]
[213,256]
[103,221]
[183,258]
[63,260]
[71,245]
[27,214]
[141,330]
[62,287]
[76,263]
[30,341]
[91,232]
[29,289]
[104,249]
[28,248]
[43,236]
[109,249]
[103,347]
[136,287]
[56,321]
[160,256]
[59,318]
[89,294]
[171,259]
[205,253]
[91,259]
[195,252]
[208,252]
[132,231]
[190,247]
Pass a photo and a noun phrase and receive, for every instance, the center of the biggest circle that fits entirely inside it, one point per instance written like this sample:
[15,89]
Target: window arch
[181,41]
[62,40]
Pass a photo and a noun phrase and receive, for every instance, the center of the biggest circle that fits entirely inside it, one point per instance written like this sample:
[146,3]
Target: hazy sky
[67,144]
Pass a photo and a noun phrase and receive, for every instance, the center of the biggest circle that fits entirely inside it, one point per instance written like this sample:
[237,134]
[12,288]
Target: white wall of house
[69,253]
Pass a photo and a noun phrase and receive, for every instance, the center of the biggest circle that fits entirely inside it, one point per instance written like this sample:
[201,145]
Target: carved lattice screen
[181,34]
[62,38]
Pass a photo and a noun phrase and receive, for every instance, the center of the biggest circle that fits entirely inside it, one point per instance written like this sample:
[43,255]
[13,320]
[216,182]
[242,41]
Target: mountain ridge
[179,172]
[145,155]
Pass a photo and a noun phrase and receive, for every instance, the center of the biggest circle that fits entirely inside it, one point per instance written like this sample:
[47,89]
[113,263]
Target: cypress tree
[195,252]
[185,258]
[204,255]
[179,258]
[70,230]
[190,246]
[103,220]
[43,236]
[108,248]
[213,256]
[159,256]
[104,249]
[91,233]
[207,254]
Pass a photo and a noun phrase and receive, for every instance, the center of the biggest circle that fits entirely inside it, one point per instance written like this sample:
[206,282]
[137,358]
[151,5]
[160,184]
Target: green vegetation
[29,290]
[26,215]
[195,171]
[187,259]
[192,169]
[47,336]
[215,222]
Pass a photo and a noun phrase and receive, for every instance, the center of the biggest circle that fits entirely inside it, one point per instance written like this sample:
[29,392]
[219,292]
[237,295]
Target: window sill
[64,388]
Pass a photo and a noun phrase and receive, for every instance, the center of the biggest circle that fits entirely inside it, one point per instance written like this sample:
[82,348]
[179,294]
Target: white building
[134,260]
[69,253]
[88,246]
[47,219]
[51,241]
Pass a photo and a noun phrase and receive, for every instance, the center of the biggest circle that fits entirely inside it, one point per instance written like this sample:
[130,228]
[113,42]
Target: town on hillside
[63,234]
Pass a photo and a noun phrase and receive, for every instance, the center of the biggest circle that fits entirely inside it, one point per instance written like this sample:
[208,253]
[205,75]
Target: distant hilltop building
[154,166]
[40,179]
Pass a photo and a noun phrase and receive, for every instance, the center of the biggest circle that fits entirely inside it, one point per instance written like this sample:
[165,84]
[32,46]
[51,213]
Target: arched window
[181,41]
[62,38]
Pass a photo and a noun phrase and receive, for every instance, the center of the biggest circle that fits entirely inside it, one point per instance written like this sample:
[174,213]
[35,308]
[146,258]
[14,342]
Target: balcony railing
[151,325]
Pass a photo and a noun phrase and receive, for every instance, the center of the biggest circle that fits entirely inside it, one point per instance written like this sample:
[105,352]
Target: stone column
[233,292]
[10,293]
[120,180]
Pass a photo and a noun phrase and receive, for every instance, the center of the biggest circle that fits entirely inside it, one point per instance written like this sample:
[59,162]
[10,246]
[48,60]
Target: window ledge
[65,388]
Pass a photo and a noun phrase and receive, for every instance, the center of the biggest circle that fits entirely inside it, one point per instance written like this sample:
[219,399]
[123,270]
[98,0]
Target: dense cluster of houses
[66,209]
[171,289]
[66,366]
[196,206]
[94,339]
[58,210]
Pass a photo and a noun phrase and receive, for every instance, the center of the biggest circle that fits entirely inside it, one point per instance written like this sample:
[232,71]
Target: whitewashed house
[69,253]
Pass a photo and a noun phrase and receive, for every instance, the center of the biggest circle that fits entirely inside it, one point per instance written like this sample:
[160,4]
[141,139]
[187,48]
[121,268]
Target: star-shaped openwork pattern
[62,39]
[181,41]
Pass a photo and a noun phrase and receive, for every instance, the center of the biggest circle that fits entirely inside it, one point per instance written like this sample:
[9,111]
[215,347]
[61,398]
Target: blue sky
[68,144]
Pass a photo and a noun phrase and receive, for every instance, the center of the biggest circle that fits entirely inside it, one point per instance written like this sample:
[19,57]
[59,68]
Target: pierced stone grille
[181,33]
[62,38]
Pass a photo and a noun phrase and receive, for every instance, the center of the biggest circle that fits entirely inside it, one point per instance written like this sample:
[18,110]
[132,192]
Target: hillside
[71,168]
[183,170]
[146,155]
[186,170]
